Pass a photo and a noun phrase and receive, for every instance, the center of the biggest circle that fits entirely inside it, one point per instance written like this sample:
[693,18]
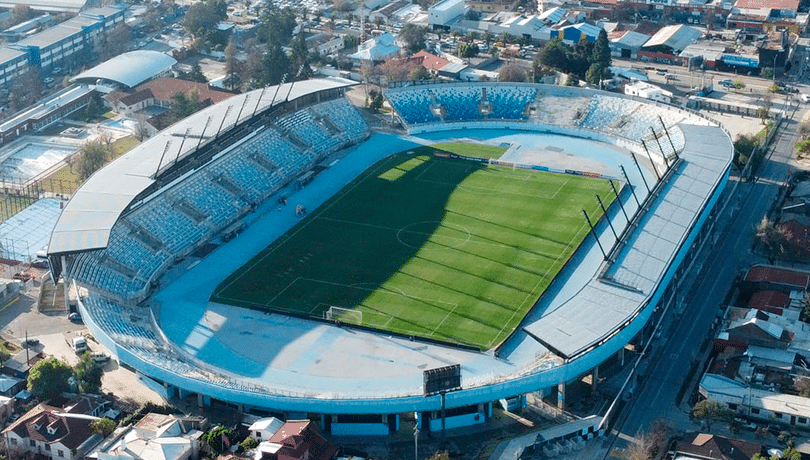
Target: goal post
[343,315]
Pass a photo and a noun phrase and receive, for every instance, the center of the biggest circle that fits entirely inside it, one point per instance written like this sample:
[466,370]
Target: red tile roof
[300,439]
[67,429]
[431,61]
[791,5]
[798,280]
[164,88]
[764,299]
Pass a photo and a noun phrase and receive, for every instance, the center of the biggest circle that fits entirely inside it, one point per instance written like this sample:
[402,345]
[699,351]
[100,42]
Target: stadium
[276,253]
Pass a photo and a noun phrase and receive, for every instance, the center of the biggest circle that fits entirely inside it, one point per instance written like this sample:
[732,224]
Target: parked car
[31,342]
[100,357]
[805,97]
[727,83]
[75,317]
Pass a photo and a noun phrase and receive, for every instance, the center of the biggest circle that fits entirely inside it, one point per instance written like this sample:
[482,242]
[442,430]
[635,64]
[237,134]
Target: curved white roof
[130,69]
[86,221]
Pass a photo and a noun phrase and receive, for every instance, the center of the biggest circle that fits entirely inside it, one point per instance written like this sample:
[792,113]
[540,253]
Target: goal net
[344,315]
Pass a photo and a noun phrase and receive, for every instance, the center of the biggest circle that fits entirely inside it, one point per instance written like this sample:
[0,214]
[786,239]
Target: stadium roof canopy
[605,303]
[86,221]
[129,69]
[72,6]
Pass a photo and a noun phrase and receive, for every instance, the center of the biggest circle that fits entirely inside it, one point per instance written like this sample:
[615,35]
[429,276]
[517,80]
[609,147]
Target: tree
[738,84]
[791,454]
[601,50]
[20,13]
[219,439]
[202,19]
[773,238]
[104,426]
[48,378]
[512,72]
[350,41]
[553,55]
[376,100]
[709,410]
[467,50]
[88,373]
[773,89]
[413,36]
[92,156]
[744,146]
[277,25]
[595,74]
[399,69]
[766,72]
[94,108]
[231,64]
[249,443]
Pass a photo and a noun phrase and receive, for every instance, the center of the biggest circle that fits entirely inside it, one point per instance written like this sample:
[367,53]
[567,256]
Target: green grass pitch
[446,249]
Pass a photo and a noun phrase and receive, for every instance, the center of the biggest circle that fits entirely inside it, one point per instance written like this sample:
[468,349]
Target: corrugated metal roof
[676,37]
[130,69]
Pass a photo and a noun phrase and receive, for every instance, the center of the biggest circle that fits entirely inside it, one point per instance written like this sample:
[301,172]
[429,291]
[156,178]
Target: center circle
[447,236]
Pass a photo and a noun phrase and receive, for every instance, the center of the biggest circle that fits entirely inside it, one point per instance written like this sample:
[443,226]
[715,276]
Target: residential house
[50,432]
[154,437]
[297,440]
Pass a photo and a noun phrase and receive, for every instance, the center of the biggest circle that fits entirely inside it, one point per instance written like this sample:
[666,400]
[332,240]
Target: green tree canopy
[92,157]
[88,373]
[601,50]
[48,378]
[709,410]
[219,438]
[103,425]
[202,19]
[413,36]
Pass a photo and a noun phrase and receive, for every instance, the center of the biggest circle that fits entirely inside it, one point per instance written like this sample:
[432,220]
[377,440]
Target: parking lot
[21,318]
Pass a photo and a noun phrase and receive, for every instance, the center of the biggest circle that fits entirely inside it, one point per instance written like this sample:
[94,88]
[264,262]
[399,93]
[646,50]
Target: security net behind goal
[344,315]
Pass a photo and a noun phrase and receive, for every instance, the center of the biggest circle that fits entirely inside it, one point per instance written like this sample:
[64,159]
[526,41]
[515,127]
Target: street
[667,366]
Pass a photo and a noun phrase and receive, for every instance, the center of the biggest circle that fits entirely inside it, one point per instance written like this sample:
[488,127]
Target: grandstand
[232,162]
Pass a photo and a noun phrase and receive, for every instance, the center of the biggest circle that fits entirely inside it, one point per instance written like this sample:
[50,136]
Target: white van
[79,345]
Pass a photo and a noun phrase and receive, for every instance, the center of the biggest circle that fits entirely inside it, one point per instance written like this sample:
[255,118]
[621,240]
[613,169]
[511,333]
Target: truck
[76,342]
[79,345]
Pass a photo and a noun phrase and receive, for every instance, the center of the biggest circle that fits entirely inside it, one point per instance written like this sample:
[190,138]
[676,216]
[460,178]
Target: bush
[249,443]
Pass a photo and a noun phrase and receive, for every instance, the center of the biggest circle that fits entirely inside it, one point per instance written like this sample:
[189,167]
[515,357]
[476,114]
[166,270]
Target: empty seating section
[460,102]
[220,206]
[303,125]
[345,117]
[605,113]
[509,102]
[124,325]
[126,267]
[280,152]
[413,106]
[174,229]
[558,110]
[244,173]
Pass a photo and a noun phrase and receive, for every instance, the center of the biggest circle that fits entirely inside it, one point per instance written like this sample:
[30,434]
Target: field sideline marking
[501,192]
[530,294]
[443,320]
[269,302]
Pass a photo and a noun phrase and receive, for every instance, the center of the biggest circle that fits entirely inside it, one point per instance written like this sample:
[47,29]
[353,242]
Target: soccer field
[446,249]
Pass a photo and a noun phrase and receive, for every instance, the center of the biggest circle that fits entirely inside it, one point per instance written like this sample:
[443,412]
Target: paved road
[667,367]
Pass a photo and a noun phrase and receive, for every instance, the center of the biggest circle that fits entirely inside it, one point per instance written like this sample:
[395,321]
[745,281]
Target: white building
[155,437]
[648,91]
[50,432]
[445,11]
[264,429]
